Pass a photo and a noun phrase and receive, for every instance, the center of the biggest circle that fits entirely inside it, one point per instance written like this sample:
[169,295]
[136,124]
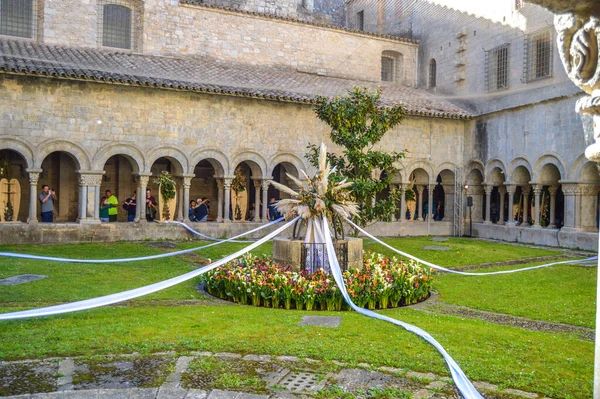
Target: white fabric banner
[460,379]
[138,292]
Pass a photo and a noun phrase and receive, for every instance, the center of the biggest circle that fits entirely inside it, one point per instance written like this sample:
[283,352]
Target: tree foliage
[358,121]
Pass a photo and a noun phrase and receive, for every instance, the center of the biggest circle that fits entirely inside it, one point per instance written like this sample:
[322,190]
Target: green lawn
[555,364]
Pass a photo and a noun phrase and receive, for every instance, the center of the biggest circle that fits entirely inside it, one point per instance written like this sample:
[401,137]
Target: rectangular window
[360,20]
[116,26]
[497,61]
[387,69]
[17,18]
[538,56]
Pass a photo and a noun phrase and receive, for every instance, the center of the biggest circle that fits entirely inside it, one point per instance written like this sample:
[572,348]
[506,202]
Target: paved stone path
[171,376]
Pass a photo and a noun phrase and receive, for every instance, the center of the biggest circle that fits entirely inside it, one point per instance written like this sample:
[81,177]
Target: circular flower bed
[382,283]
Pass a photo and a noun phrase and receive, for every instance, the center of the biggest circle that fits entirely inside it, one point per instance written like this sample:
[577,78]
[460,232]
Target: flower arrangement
[382,283]
[167,186]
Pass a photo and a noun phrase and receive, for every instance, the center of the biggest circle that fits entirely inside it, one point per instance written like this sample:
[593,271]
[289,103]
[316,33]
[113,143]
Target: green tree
[358,121]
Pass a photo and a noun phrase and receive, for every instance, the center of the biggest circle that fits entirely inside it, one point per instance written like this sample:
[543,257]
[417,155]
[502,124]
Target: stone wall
[166,28]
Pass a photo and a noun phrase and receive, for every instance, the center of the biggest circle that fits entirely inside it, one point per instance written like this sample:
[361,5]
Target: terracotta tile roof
[203,75]
[198,3]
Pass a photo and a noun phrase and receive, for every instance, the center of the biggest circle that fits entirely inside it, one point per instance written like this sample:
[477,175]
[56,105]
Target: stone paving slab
[321,321]
[21,279]
[436,248]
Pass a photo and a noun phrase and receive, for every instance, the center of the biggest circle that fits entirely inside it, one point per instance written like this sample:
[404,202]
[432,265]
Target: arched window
[117,26]
[17,18]
[432,73]
[391,66]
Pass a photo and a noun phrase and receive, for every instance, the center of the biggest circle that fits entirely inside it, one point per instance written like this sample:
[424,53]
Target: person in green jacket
[104,208]
[114,209]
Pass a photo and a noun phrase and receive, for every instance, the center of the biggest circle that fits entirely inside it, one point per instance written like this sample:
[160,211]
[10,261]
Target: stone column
[83,198]
[257,187]
[476,191]
[187,184]
[537,191]
[510,189]
[34,176]
[526,190]
[429,202]
[419,210]
[587,208]
[94,180]
[265,199]
[577,40]
[403,202]
[393,187]
[570,191]
[449,203]
[180,195]
[502,192]
[488,203]
[227,186]
[552,222]
[141,202]
[220,186]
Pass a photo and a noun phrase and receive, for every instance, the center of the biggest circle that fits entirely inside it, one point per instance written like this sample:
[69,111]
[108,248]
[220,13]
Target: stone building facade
[202,90]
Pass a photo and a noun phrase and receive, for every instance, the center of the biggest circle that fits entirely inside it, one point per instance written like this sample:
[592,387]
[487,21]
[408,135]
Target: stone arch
[548,159]
[575,172]
[421,164]
[79,155]
[399,175]
[285,158]
[446,166]
[255,161]
[494,163]
[178,159]
[217,159]
[515,163]
[20,147]
[133,154]
[475,165]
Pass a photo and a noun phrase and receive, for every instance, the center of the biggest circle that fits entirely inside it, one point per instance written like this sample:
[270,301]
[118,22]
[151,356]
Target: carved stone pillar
[588,207]
[393,187]
[95,181]
[187,184]
[429,202]
[89,179]
[552,190]
[144,178]
[510,189]
[220,186]
[578,42]
[537,191]
[570,192]
[227,186]
[449,202]
[419,210]
[34,176]
[402,202]
[257,187]
[526,190]
[265,199]
[502,192]
[477,193]
[488,203]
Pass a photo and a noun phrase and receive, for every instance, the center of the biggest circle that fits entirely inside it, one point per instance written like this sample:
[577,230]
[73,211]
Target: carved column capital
[526,189]
[537,189]
[34,177]
[90,180]
[227,182]
[511,188]
[265,184]
[220,184]
[144,180]
[488,188]
[502,190]
[570,189]
[552,190]
[420,189]
[588,189]
[257,183]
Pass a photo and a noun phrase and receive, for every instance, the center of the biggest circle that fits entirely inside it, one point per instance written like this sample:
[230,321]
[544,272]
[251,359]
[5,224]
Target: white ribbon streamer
[433,265]
[460,379]
[204,235]
[137,292]
[141,258]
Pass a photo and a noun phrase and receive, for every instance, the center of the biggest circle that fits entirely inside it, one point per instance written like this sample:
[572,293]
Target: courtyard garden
[531,331]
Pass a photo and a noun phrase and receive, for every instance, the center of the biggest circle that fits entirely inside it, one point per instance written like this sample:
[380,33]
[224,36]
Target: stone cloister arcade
[543,195]
[80,180]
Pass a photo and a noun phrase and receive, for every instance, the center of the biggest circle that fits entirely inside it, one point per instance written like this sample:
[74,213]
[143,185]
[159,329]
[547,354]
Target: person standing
[114,210]
[151,207]
[47,198]
[272,209]
[202,210]
[130,206]
[192,211]
[104,208]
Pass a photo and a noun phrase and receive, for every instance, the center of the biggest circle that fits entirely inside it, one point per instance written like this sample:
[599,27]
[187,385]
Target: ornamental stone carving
[588,189]
[34,177]
[187,182]
[552,190]
[144,180]
[265,184]
[570,189]
[90,180]
[511,188]
[488,189]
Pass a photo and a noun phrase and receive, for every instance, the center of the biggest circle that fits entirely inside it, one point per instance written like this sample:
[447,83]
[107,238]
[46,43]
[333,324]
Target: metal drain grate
[300,382]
